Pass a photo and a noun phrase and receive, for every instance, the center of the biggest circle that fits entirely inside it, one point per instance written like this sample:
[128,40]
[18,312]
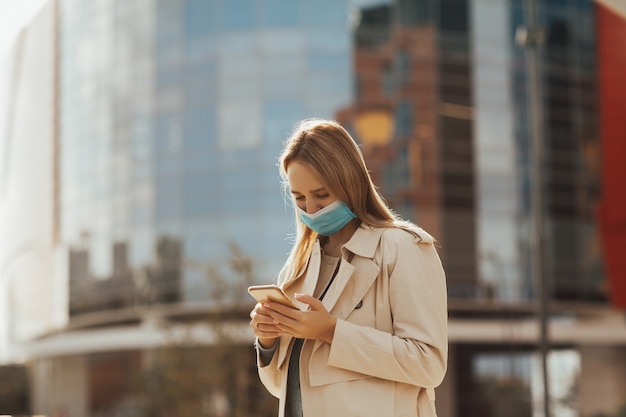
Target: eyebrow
[312,191]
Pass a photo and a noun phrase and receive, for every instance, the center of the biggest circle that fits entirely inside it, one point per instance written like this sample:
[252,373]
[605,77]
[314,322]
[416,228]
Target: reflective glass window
[326,13]
[199,17]
[280,13]
[239,124]
[279,117]
[237,16]
[404,118]
[199,127]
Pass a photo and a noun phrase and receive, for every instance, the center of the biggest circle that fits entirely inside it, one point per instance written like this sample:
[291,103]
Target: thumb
[313,302]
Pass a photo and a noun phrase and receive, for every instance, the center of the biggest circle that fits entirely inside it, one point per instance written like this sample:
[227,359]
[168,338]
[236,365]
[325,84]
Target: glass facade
[571,138]
[450,78]
[171,130]
[497,172]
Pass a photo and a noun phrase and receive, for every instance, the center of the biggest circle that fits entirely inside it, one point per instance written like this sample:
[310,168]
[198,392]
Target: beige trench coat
[390,345]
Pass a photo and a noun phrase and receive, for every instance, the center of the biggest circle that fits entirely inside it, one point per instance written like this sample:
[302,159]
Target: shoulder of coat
[419,235]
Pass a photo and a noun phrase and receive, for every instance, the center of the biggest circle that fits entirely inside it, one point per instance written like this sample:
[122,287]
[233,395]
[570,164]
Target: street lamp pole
[531,37]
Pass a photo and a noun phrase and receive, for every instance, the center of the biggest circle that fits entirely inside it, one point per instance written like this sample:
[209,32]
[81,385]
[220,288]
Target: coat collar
[364,241]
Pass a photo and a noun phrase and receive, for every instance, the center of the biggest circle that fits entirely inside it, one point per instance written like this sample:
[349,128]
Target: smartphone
[274,293]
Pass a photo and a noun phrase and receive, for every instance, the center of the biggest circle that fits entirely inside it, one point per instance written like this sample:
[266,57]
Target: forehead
[302,178]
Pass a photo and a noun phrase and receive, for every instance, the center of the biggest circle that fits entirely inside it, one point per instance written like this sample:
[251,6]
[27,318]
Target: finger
[283,318]
[272,308]
[287,328]
[268,330]
[264,329]
[261,322]
[313,302]
[260,319]
[260,311]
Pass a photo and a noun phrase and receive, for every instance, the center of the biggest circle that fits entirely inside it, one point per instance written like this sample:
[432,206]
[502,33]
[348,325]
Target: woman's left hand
[314,323]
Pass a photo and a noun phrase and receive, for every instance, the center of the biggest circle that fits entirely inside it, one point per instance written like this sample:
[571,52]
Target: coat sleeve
[415,352]
[269,374]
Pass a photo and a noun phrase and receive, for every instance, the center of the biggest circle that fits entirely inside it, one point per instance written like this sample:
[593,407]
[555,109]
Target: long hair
[335,158]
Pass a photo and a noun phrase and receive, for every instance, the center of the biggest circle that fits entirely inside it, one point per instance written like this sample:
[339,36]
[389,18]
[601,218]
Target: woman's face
[307,190]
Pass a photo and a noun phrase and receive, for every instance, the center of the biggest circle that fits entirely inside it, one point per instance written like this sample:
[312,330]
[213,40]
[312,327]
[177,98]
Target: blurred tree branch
[187,379]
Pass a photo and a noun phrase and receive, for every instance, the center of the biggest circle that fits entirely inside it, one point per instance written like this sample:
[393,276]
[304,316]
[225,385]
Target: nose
[312,207]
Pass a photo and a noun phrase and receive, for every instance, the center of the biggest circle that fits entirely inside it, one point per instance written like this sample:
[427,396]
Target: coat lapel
[351,286]
[302,285]
[352,282]
[307,283]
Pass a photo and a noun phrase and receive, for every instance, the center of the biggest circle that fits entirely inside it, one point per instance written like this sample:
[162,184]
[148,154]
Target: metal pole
[532,38]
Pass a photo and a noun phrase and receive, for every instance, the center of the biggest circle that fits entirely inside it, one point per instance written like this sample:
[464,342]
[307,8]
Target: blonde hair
[333,155]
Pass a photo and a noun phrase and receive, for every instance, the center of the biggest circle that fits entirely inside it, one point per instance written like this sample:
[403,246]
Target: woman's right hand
[263,326]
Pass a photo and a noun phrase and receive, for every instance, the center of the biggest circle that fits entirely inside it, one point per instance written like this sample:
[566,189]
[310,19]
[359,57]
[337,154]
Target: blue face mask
[328,220]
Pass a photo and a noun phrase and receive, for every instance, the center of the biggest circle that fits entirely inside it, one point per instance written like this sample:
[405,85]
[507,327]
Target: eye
[321,196]
[300,201]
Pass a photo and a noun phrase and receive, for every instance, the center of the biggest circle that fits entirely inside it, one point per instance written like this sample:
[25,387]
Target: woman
[370,338]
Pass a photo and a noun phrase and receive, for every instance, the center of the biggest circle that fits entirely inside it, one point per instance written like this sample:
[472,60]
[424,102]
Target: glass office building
[453,81]
[169,119]
[173,116]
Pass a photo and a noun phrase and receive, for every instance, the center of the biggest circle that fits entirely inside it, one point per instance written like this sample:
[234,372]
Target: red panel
[611,44]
